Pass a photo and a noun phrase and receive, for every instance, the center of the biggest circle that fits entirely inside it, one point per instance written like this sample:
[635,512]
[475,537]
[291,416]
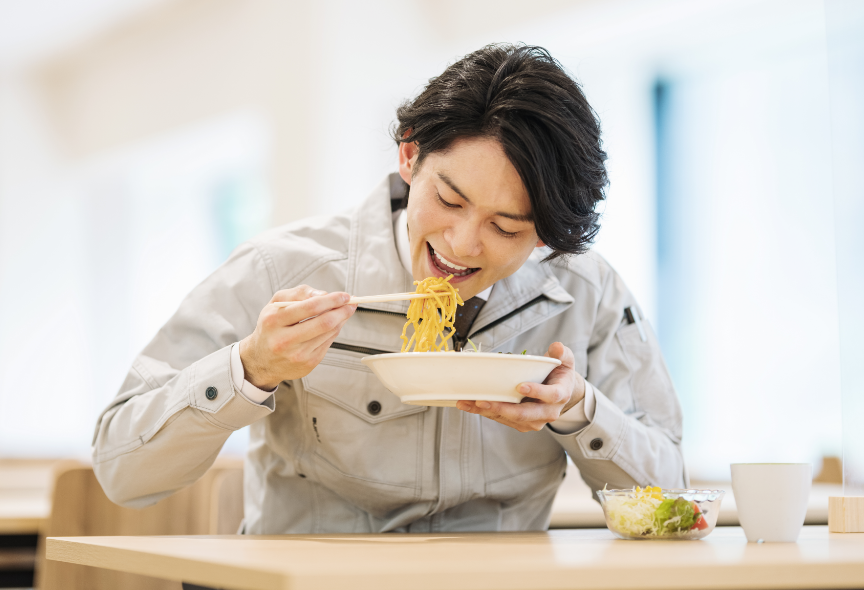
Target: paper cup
[771,499]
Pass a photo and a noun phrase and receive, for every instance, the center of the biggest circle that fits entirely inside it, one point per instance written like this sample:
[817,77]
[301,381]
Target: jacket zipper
[358,349]
[366,349]
[367,310]
[489,326]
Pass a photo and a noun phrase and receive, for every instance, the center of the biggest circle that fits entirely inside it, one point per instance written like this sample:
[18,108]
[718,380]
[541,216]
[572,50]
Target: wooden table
[585,558]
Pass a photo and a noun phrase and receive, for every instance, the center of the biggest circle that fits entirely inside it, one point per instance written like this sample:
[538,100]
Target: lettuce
[674,515]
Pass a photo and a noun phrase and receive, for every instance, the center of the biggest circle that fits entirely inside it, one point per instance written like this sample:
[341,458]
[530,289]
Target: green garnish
[472,345]
[674,515]
[525,351]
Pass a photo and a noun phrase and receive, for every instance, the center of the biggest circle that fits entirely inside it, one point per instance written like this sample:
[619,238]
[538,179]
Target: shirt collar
[403,246]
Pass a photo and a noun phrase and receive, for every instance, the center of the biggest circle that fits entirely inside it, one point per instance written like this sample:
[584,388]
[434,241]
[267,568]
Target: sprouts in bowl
[655,513]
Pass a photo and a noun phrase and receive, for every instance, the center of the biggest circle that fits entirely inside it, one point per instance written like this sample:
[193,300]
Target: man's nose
[464,240]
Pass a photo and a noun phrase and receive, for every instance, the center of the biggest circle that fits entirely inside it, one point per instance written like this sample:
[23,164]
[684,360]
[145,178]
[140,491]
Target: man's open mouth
[448,267]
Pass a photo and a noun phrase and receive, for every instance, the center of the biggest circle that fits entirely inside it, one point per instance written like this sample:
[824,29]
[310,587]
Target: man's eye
[506,234]
[445,203]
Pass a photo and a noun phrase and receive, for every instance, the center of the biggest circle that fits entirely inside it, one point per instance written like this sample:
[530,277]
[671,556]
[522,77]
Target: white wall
[294,101]
[749,309]
[845,26]
[98,256]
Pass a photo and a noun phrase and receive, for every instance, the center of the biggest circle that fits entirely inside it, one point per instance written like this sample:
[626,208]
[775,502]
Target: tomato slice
[701,524]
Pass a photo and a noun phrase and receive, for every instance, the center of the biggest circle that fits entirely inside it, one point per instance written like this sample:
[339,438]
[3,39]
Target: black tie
[465,316]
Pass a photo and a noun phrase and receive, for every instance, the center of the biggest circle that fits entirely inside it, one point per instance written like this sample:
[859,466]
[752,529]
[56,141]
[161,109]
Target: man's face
[469,215]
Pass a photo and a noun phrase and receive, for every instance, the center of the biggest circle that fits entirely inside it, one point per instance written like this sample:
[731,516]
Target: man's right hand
[285,347]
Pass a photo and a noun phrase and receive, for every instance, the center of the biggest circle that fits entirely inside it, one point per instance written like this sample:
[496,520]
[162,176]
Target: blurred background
[142,140]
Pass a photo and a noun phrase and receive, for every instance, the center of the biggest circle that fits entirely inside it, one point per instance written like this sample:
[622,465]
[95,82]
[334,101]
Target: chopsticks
[389,297]
[373,298]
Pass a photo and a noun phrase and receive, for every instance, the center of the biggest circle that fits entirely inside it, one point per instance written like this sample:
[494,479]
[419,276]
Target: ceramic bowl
[443,378]
[672,514]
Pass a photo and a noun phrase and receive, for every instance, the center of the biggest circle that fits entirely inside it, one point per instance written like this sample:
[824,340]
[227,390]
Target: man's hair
[522,97]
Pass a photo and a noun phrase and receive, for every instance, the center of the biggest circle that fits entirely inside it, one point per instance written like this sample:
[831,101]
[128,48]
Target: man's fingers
[324,339]
[298,293]
[562,372]
[521,426]
[323,323]
[322,348]
[542,402]
[309,308]
[517,413]
[550,393]
[563,354]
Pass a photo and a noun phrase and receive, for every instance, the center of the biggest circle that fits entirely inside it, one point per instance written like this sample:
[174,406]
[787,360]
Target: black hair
[522,97]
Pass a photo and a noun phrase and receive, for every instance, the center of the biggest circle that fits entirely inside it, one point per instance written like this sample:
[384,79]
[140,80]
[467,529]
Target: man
[504,162]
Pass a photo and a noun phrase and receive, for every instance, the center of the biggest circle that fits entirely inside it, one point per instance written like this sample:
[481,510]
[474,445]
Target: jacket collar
[374,267]
[373,262]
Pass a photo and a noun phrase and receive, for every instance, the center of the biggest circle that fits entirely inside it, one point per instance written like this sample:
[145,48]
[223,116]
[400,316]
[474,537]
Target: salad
[654,513]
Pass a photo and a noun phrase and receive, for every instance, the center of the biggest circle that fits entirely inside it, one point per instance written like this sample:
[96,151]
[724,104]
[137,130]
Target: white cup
[771,499]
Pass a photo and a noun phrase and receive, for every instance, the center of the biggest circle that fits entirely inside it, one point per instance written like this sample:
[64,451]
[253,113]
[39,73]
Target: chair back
[213,505]
[226,503]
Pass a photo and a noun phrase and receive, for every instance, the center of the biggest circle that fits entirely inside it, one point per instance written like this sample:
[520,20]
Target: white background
[141,141]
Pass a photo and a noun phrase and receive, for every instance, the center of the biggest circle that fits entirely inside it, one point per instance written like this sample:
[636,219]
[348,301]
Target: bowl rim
[483,355]
[621,492]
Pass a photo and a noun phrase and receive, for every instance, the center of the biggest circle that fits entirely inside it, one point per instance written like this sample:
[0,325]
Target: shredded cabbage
[634,514]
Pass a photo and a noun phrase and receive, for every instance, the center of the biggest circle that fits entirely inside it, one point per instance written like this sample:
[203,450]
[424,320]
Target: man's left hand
[543,402]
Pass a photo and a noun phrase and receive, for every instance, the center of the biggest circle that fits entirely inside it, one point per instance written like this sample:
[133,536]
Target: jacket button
[303,475]
[374,408]
[596,444]
[211,392]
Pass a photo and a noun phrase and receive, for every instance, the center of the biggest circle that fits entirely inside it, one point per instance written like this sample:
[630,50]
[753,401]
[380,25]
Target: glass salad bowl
[655,513]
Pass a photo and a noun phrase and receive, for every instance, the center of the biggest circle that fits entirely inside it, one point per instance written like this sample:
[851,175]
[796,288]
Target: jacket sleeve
[635,435]
[178,404]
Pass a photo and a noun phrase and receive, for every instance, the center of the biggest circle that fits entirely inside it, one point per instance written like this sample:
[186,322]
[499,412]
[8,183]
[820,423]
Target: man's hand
[283,345]
[562,390]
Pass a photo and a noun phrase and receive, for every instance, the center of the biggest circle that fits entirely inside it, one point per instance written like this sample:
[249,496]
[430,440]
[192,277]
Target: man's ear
[540,244]
[408,153]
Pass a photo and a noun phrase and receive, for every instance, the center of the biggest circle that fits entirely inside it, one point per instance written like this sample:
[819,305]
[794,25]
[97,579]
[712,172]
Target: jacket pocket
[520,465]
[365,444]
[653,392]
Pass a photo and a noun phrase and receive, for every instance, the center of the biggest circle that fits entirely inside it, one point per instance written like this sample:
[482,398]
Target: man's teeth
[448,264]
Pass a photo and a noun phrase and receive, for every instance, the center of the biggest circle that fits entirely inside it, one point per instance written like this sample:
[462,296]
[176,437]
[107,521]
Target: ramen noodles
[431,316]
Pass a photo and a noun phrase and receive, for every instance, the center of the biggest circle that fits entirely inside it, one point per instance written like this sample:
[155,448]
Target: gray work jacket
[320,462]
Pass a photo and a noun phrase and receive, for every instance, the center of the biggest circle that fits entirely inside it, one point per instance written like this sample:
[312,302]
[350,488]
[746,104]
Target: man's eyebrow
[452,185]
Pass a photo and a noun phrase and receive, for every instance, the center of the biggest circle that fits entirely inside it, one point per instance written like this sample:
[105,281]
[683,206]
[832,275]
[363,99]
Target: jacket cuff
[212,391]
[238,374]
[602,437]
[577,417]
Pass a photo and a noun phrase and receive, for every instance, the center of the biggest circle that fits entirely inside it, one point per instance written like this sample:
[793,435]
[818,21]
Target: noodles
[431,315]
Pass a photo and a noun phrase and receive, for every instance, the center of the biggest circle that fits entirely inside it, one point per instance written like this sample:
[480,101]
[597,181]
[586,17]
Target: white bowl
[443,378]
